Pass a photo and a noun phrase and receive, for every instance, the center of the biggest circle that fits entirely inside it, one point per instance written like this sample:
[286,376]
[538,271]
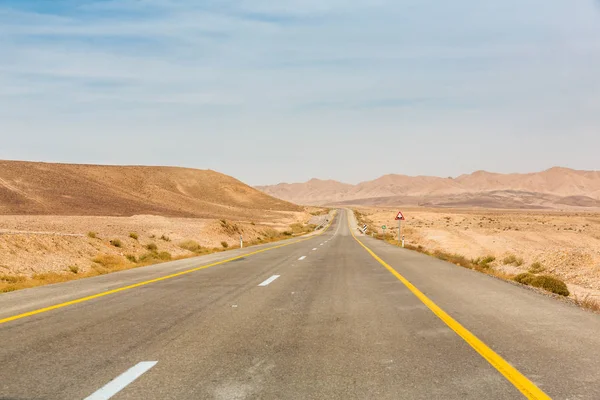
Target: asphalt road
[318,318]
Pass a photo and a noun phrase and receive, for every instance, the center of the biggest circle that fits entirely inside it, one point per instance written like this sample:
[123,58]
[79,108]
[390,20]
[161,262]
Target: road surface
[322,317]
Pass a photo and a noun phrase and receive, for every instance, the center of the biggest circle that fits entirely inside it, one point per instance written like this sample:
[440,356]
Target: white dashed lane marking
[120,382]
[271,279]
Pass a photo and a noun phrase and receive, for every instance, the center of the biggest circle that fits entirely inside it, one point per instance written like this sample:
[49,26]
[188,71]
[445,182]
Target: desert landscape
[554,188]
[65,221]
[563,244]
[544,222]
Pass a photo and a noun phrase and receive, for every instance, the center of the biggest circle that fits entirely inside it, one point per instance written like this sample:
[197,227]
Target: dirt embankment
[565,244]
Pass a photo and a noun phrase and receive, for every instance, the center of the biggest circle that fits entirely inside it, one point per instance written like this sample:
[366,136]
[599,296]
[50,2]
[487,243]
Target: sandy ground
[567,244]
[37,244]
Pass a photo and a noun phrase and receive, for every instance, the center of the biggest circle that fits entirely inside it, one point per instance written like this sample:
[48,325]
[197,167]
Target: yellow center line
[525,386]
[162,278]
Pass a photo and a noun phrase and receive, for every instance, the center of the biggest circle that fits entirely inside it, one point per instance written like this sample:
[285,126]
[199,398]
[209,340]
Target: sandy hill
[554,188]
[71,189]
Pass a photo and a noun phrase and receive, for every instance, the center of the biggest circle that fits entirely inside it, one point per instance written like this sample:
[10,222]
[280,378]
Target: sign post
[384,228]
[400,218]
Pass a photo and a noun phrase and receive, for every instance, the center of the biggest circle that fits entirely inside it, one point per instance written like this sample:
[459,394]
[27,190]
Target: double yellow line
[148,282]
[525,386]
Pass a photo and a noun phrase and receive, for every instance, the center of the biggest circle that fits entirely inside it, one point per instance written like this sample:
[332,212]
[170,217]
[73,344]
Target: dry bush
[92,235]
[229,228]
[524,278]
[511,259]
[588,303]
[193,246]
[546,282]
[116,243]
[484,262]
[551,284]
[151,247]
[224,244]
[165,238]
[109,261]
[300,229]
[134,235]
[536,268]
[74,269]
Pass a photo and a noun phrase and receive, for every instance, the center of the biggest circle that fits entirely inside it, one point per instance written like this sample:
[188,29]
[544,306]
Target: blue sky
[285,91]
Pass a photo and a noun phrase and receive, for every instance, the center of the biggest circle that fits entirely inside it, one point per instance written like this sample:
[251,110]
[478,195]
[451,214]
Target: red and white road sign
[400,216]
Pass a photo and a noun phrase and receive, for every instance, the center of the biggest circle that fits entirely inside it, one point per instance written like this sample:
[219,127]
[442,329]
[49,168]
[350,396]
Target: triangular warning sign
[400,216]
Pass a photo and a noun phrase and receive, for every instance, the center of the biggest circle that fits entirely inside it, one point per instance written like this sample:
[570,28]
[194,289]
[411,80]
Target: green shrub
[92,235]
[74,268]
[545,282]
[524,278]
[116,243]
[536,268]
[133,235]
[152,247]
[550,284]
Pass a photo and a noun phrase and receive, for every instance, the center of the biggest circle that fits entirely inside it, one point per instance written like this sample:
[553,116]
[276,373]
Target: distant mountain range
[553,188]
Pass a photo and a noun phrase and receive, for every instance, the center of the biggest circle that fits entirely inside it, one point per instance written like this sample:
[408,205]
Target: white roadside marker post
[241,242]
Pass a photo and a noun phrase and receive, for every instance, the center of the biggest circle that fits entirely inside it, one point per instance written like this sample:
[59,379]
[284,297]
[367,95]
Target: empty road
[332,316]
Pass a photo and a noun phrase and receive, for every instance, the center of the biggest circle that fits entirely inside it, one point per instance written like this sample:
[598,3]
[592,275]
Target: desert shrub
[229,227]
[92,235]
[536,268]
[134,235]
[12,278]
[151,247]
[49,277]
[550,284]
[524,278]
[131,258]
[224,244]
[484,262]
[453,258]
[287,233]
[270,233]
[147,257]
[165,238]
[116,243]
[74,268]
[164,255]
[108,260]
[510,259]
[191,245]
[588,302]
[545,282]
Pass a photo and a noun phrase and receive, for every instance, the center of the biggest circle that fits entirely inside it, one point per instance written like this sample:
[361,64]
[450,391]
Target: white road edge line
[271,279]
[120,382]
[301,258]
